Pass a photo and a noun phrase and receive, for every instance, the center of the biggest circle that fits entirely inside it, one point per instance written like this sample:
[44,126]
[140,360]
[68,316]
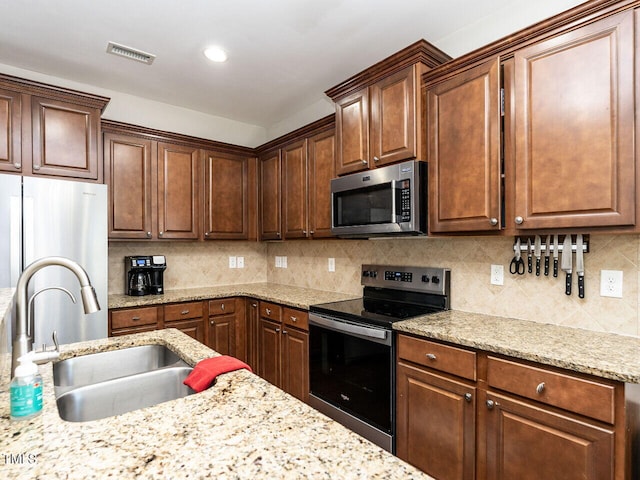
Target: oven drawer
[444,358]
[272,311]
[585,397]
[296,318]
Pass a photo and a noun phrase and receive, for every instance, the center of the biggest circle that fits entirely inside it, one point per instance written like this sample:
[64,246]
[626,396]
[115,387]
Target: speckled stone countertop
[616,357]
[297,297]
[241,428]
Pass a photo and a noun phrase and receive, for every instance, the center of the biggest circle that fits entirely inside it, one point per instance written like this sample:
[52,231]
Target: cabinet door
[128,174]
[322,149]
[221,336]
[226,190]
[178,192]
[436,423]
[270,196]
[269,351]
[295,190]
[194,328]
[352,132]
[528,442]
[464,151]
[295,363]
[65,139]
[393,118]
[574,128]
[10,131]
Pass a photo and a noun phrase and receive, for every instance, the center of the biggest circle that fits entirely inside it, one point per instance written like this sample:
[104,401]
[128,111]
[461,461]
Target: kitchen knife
[547,251]
[566,262]
[529,257]
[555,255]
[537,252]
[580,265]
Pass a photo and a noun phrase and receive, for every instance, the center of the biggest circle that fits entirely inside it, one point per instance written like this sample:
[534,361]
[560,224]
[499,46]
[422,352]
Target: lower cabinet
[221,330]
[188,317]
[463,414]
[283,348]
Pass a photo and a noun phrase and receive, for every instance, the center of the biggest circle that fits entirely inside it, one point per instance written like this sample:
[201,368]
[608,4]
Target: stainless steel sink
[99,367]
[124,394]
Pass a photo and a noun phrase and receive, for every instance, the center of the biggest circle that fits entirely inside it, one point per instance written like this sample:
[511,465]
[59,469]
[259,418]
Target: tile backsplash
[196,264]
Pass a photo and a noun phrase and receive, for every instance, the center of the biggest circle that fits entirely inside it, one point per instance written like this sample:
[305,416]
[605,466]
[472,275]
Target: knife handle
[529,264]
[546,266]
[555,267]
[537,266]
[581,286]
[567,289]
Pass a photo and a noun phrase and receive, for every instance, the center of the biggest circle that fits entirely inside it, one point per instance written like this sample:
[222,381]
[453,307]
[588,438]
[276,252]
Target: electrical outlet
[232,262]
[331,265]
[240,262]
[284,262]
[497,275]
[278,262]
[611,283]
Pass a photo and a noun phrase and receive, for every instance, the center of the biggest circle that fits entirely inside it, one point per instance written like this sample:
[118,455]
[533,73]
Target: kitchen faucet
[23,342]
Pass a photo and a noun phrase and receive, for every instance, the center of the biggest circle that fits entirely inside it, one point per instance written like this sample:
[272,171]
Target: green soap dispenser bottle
[25,390]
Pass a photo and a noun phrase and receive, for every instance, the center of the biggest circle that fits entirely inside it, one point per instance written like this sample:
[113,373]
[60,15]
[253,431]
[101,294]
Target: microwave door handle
[394,193]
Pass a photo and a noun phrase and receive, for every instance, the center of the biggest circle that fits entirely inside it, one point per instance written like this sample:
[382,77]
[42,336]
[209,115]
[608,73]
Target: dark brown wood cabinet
[270,196]
[321,156]
[283,348]
[379,111]
[133,320]
[252,317]
[50,131]
[179,197]
[295,188]
[10,131]
[226,196]
[463,118]
[564,156]
[188,317]
[465,414]
[223,323]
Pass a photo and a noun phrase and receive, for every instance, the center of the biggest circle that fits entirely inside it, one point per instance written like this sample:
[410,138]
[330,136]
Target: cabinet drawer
[272,311]
[296,318]
[222,306]
[585,397]
[445,358]
[182,311]
[135,317]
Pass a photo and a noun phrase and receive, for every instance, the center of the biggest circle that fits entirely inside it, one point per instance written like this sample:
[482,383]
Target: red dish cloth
[206,371]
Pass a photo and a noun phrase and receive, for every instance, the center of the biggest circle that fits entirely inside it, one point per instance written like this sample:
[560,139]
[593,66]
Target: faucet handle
[54,337]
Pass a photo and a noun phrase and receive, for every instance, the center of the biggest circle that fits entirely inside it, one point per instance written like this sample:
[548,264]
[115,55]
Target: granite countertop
[606,355]
[242,427]
[292,296]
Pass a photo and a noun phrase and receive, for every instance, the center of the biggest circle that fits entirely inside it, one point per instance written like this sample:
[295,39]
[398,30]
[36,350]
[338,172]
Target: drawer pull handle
[184,312]
[277,330]
[135,319]
[268,310]
[491,404]
[294,319]
[540,388]
[431,356]
[222,306]
[468,397]
[211,322]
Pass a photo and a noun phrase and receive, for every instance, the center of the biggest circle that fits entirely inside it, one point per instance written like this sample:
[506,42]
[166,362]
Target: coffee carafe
[144,274]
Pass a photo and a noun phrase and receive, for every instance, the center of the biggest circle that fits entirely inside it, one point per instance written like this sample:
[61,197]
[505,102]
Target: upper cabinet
[46,130]
[378,111]
[295,183]
[169,187]
[540,134]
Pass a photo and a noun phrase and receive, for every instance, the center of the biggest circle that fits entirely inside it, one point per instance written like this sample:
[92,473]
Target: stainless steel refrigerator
[41,217]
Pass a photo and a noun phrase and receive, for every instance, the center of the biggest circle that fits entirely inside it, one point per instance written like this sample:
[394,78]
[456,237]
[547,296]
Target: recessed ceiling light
[216,54]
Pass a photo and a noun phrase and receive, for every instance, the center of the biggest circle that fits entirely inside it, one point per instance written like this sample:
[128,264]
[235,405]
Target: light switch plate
[232,262]
[611,283]
[331,264]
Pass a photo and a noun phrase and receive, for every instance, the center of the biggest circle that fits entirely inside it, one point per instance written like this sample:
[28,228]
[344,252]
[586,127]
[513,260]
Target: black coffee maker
[144,274]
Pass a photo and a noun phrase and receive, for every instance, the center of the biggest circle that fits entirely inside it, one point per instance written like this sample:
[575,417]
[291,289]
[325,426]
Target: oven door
[351,374]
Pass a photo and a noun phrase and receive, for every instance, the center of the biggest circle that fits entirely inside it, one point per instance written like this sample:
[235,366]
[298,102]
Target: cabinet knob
[17,165]
[519,220]
[268,311]
[284,332]
[161,234]
[312,232]
[376,159]
[364,162]
[540,388]
[148,234]
[493,221]
[294,319]
[222,306]
[206,234]
[431,356]
[278,234]
[491,404]
[211,322]
[36,167]
[468,397]
[277,330]
[254,305]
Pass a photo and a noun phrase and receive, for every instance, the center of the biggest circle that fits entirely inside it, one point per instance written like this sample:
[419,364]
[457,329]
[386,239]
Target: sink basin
[123,394]
[99,367]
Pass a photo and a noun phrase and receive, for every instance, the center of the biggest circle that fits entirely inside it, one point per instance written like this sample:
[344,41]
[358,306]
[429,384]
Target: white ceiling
[283,54]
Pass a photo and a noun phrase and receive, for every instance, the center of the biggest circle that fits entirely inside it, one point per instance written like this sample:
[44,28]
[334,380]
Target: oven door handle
[349,328]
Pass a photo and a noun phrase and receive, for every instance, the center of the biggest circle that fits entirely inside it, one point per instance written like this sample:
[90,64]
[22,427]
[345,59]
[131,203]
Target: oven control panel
[419,279]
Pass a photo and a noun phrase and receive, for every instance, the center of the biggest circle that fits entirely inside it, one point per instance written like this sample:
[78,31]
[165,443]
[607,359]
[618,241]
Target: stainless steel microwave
[386,201]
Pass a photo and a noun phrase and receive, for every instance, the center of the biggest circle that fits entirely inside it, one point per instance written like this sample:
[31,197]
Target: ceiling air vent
[130,53]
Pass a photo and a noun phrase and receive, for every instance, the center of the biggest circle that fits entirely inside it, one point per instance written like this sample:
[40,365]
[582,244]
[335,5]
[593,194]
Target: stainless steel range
[352,346]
